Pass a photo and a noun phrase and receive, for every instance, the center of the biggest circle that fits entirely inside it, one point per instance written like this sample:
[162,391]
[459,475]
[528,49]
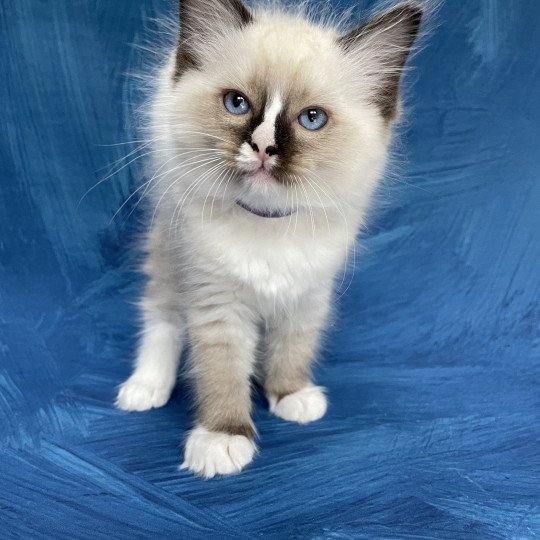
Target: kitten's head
[283,111]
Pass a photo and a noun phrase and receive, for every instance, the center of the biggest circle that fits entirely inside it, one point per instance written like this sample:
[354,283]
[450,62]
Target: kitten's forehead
[284,55]
[287,37]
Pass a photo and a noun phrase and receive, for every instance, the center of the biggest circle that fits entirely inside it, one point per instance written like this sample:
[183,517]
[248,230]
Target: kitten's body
[223,273]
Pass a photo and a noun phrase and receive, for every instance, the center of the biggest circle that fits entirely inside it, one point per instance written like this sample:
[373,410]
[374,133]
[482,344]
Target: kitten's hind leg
[154,375]
[291,345]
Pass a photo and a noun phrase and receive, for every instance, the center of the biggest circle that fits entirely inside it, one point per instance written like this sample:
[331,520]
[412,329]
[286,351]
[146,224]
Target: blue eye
[312,118]
[236,103]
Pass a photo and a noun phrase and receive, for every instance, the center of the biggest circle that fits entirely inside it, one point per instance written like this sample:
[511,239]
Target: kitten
[270,134]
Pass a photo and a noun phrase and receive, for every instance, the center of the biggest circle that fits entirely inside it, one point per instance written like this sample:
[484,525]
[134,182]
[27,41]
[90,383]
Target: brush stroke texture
[432,368]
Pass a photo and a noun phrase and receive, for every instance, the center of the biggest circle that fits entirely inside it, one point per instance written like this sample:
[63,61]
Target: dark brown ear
[382,47]
[200,22]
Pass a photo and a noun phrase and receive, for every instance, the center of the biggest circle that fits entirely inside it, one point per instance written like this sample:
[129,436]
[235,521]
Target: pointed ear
[200,22]
[380,49]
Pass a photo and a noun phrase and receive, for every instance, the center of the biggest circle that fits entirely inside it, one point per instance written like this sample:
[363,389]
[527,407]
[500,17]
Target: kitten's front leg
[223,339]
[160,346]
[291,344]
[154,374]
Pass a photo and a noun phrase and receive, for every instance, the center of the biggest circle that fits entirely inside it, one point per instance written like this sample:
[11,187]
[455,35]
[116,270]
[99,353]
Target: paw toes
[208,453]
[304,406]
[136,395]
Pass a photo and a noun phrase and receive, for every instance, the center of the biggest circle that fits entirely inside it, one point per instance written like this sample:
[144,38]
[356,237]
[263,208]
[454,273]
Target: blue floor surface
[433,367]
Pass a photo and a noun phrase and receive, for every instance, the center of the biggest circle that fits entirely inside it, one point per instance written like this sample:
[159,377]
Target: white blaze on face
[264,134]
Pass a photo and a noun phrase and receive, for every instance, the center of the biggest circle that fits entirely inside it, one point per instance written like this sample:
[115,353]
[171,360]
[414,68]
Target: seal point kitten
[269,135]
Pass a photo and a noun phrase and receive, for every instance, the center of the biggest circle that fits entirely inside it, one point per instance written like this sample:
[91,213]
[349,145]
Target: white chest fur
[276,259]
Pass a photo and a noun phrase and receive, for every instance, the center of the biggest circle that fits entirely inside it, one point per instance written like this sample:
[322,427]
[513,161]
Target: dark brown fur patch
[236,429]
[184,61]
[258,105]
[286,143]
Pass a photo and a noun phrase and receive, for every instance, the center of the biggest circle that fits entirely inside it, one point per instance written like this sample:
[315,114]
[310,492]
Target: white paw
[208,453]
[306,405]
[141,395]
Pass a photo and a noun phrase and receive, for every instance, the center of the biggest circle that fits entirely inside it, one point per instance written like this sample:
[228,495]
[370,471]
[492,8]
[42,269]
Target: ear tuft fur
[200,20]
[382,46]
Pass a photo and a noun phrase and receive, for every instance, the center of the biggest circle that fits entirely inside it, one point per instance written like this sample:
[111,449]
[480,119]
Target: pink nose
[266,153]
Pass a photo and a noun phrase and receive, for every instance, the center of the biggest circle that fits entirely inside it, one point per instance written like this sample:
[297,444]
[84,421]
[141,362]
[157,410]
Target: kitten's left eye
[312,118]
[236,103]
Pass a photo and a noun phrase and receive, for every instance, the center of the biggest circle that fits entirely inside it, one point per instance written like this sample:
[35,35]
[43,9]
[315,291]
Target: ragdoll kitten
[270,134]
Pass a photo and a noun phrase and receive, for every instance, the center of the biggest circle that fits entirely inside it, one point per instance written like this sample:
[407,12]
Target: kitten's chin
[260,175]
[262,191]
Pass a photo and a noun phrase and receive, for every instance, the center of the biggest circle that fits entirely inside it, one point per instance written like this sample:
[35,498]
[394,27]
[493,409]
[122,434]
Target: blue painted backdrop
[432,369]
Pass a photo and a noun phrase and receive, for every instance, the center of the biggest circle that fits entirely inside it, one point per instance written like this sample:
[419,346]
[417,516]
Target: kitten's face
[275,104]
[281,110]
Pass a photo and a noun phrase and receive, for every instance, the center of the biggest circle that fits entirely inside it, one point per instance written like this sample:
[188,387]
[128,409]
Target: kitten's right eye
[236,103]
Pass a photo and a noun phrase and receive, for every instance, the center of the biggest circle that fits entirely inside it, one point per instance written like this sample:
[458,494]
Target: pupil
[312,115]
[238,100]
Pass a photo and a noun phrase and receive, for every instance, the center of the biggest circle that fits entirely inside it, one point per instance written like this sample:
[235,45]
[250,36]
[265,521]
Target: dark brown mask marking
[243,133]
[285,147]
[286,144]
